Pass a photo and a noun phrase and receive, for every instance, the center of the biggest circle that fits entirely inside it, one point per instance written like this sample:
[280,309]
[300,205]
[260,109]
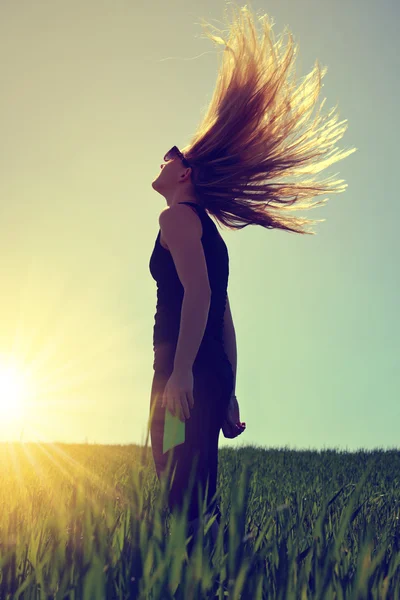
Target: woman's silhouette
[255,132]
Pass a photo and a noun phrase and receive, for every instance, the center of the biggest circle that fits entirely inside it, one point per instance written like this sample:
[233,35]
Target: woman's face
[171,173]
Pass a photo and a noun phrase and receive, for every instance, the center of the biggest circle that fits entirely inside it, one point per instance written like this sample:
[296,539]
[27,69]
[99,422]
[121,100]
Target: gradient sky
[92,96]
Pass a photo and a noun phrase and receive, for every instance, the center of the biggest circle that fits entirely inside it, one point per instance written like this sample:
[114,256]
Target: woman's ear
[186,175]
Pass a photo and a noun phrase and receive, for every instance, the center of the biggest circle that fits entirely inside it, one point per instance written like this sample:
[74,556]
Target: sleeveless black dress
[170,295]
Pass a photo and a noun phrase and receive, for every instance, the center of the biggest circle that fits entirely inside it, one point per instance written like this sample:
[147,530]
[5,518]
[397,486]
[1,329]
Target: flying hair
[257,140]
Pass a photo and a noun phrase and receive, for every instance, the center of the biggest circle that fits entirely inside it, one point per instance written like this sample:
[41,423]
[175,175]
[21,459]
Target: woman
[249,137]
[194,343]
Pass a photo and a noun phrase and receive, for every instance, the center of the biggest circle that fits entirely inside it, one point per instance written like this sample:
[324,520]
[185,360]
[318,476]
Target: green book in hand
[174,431]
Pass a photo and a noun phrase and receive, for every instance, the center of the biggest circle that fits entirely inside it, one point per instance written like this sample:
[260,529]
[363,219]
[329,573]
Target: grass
[90,521]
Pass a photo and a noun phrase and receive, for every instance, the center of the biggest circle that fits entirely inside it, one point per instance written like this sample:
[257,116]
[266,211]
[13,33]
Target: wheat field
[90,521]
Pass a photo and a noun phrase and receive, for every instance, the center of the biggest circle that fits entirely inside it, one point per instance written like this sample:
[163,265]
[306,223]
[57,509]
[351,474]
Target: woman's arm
[194,316]
[229,340]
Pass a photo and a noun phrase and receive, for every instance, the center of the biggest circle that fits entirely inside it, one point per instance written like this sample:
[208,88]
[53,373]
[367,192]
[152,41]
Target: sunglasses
[176,152]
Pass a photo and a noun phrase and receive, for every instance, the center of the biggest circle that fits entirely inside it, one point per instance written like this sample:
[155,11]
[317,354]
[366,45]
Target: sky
[93,95]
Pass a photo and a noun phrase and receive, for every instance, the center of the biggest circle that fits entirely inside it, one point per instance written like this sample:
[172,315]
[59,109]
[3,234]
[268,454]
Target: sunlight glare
[13,392]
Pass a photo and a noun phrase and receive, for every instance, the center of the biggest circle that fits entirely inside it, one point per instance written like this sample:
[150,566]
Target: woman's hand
[178,394]
[231,426]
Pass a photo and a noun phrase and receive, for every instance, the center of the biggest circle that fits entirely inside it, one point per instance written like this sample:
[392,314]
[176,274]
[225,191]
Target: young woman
[254,132]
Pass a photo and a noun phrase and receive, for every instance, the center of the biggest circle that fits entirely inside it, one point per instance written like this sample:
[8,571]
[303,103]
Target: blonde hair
[251,134]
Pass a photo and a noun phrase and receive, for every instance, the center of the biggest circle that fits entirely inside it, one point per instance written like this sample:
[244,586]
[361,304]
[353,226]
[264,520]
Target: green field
[89,521]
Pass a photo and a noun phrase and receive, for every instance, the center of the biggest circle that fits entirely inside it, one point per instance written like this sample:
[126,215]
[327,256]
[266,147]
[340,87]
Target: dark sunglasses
[176,152]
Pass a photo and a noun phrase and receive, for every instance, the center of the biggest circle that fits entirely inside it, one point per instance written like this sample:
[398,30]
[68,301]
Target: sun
[13,392]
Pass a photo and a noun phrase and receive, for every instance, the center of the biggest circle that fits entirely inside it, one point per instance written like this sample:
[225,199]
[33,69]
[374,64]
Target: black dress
[212,373]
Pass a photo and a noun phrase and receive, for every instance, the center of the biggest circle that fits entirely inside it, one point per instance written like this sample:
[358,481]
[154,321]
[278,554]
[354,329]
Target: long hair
[251,134]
